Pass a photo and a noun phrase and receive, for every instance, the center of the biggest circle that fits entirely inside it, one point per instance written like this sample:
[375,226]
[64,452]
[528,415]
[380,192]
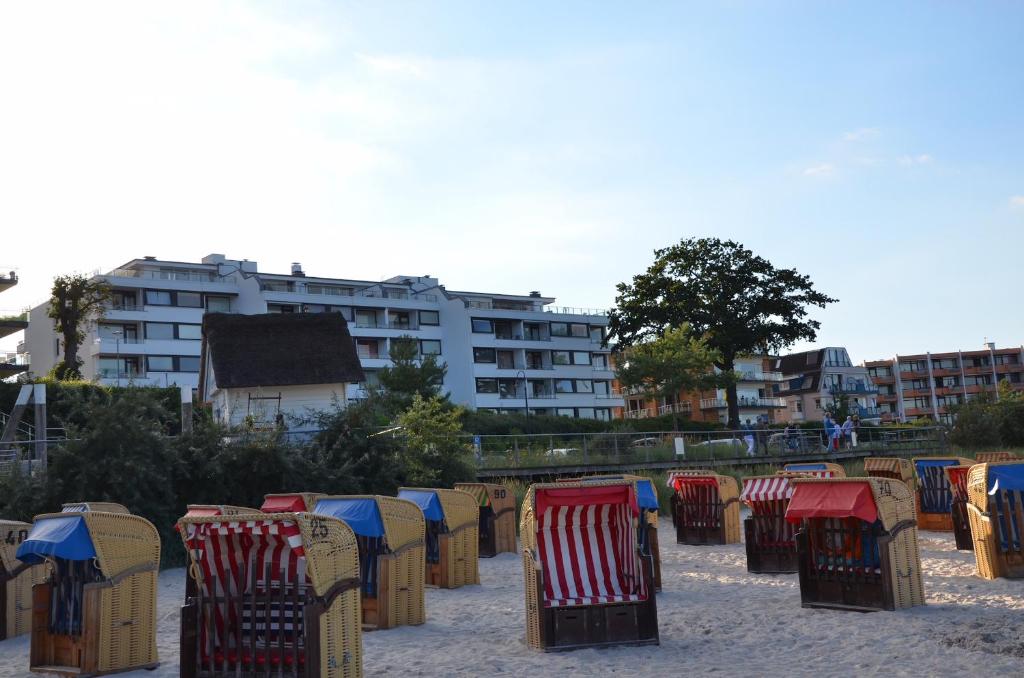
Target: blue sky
[874,146]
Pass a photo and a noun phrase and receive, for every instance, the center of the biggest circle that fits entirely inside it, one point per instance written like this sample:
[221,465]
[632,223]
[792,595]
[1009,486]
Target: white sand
[714,618]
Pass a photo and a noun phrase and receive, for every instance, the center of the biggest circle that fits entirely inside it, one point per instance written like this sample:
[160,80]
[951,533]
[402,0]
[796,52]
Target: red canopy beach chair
[707,509]
[587,582]
[769,538]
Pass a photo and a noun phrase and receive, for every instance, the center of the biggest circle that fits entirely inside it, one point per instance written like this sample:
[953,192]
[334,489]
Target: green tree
[739,302]
[839,408]
[410,374]
[75,301]
[435,454]
[672,363]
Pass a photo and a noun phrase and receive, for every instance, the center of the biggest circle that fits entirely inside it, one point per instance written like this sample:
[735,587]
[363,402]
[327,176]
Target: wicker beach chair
[391,536]
[592,596]
[996,511]
[16,581]
[819,469]
[957,477]
[857,544]
[102,506]
[278,595]
[209,510]
[670,479]
[988,457]
[647,499]
[934,498]
[707,509]
[452,521]
[895,468]
[96,612]
[769,538]
[294,502]
[497,517]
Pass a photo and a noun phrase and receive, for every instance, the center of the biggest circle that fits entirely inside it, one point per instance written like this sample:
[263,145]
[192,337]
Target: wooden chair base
[770,560]
[699,535]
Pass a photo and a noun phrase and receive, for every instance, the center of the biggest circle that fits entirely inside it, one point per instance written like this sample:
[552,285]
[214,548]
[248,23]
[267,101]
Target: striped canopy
[766,489]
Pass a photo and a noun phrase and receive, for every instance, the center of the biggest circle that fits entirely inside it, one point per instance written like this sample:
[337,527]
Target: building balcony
[946,372]
[862,389]
[757,376]
[12,322]
[1009,368]
[7,281]
[720,403]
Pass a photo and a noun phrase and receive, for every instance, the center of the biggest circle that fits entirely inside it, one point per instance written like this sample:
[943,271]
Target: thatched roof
[278,349]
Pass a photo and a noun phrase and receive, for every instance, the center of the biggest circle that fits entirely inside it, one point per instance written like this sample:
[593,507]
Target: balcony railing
[188,276]
[720,403]
[853,388]
[366,354]
[14,316]
[574,310]
[753,375]
[123,374]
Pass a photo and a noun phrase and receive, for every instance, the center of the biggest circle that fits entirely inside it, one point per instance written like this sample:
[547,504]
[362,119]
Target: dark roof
[279,349]
[800,363]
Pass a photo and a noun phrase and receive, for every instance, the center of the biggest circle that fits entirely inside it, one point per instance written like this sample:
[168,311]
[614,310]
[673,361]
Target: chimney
[535,294]
[297,269]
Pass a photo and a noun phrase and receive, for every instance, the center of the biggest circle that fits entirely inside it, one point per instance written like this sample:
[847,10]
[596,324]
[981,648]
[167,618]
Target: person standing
[856,429]
[748,437]
[828,430]
[847,432]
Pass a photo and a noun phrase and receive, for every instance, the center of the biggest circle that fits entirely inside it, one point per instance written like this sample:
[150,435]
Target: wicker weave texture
[895,504]
[223,509]
[990,561]
[890,467]
[989,457]
[17,592]
[461,545]
[729,495]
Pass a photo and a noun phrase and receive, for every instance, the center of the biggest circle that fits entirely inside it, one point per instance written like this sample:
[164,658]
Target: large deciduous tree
[674,362]
[75,301]
[737,301]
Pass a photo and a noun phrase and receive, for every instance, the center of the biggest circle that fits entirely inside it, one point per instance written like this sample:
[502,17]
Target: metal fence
[573,449]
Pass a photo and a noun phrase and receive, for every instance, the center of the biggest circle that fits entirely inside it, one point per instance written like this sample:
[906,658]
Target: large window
[484,355]
[158,298]
[483,326]
[188,364]
[160,363]
[366,318]
[561,358]
[580,358]
[190,331]
[430,318]
[563,386]
[599,360]
[190,299]
[159,330]
[486,385]
[601,388]
[430,347]
[218,304]
[920,402]
[559,329]
[579,331]
[584,386]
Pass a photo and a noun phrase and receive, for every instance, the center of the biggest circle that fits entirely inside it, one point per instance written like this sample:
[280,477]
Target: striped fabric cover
[236,555]
[812,473]
[958,481]
[698,501]
[766,489]
[936,495]
[588,555]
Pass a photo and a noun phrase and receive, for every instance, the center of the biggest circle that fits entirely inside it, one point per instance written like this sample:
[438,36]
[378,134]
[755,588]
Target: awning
[593,495]
[805,467]
[74,508]
[285,503]
[775,488]
[694,480]
[889,464]
[1008,477]
[832,500]
[66,538]
[480,492]
[362,515]
[647,496]
[428,502]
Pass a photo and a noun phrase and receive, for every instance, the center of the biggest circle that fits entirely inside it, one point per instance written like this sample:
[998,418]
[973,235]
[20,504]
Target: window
[188,364]
[367,348]
[600,361]
[817,403]
[190,331]
[218,304]
[160,363]
[601,388]
[585,413]
[1005,360]
[508,388]
[920,402]
[944,364]
[484,355]
[580,358]
[159,330]
[430,318]
[597,333]
[579,331]
[532,332]
[506,360]
[534,360]
[563,386]
[430,347]
[603,414]
[584,386]
[190,299]
[561,358]
[799,403]
[329,290]
[565,412]
[486,385]
[366,318]
[559,329]
[483,326]
[158,298]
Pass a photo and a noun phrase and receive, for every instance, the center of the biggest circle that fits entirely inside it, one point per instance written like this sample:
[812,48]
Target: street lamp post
[526,390]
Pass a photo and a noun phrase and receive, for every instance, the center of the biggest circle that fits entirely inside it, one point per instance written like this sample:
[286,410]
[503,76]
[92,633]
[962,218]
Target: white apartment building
[504,352]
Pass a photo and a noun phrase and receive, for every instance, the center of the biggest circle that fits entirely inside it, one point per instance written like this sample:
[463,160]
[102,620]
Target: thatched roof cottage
[268,370]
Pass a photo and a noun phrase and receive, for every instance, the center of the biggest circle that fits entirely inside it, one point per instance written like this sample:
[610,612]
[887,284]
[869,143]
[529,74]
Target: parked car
[646,442]
[563,451]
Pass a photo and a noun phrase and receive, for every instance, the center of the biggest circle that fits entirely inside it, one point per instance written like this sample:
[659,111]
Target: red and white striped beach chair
[769,539]
[587,582]
[707,509]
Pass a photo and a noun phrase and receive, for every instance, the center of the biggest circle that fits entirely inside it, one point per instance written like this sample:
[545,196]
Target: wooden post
[186,409]
[39,400]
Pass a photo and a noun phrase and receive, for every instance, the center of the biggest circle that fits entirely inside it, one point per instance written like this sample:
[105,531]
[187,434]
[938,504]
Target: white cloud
[922,159]
[822,170]
[1017,201]
[861,134]
[390,63]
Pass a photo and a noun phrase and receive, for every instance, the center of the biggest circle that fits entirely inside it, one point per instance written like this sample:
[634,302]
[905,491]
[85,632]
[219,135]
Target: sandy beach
[715,618]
